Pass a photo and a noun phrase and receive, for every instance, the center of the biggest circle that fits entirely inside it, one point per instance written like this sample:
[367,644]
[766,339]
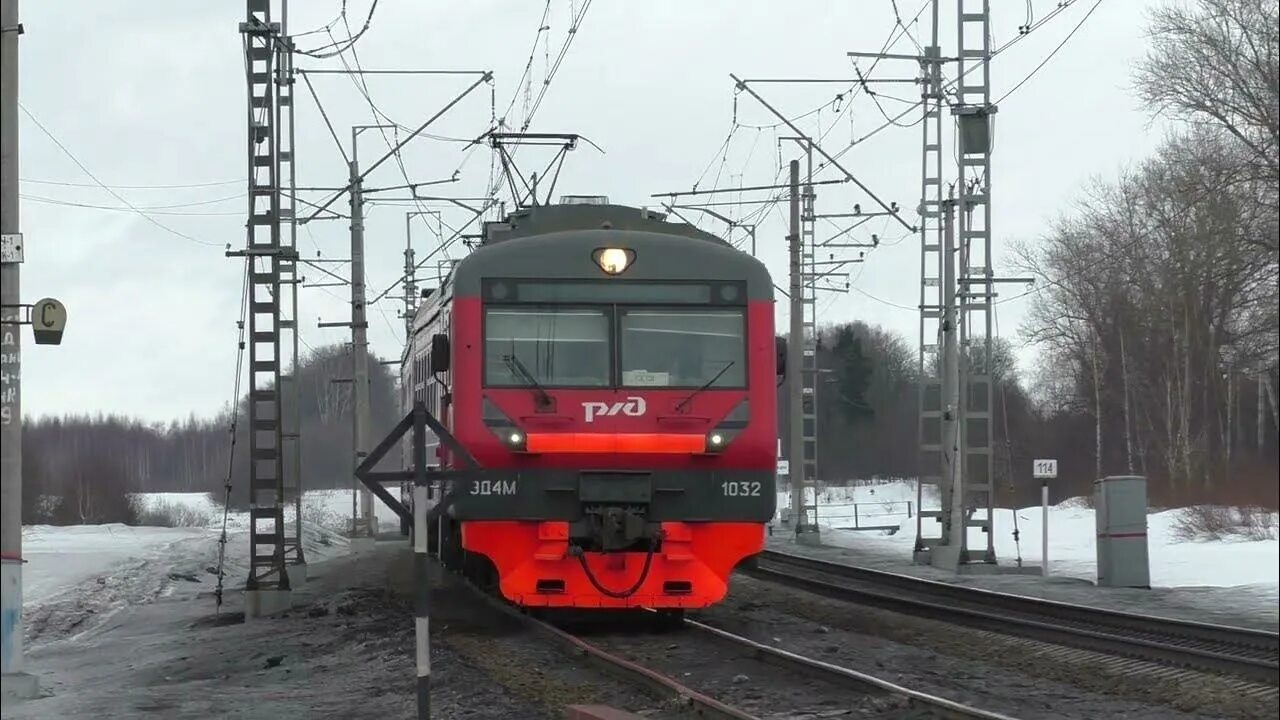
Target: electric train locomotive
[614,375]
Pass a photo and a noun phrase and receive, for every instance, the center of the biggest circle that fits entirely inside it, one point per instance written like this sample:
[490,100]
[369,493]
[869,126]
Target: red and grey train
[614,374]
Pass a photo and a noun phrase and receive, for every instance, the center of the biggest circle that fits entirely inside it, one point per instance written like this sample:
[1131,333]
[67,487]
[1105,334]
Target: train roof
[556,242]
[566,216]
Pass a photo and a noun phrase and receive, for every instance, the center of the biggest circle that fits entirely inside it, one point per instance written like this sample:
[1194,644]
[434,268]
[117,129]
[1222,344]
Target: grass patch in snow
[320,514]
[1216,522]
[165,513]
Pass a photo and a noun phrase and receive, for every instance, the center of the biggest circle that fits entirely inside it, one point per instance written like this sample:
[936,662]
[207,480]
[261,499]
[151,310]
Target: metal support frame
[808,512]
[976,293]
[528,196]
[264,255]
[932,258]
[290,389]
[418,420]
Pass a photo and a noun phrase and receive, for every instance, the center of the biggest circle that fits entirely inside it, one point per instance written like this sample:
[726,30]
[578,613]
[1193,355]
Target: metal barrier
[863,511]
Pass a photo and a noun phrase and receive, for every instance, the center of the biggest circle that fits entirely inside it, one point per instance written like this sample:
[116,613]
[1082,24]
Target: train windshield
[682,348]
[553,347]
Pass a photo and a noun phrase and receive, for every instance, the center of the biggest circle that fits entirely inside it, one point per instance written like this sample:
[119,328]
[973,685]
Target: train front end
[615,376]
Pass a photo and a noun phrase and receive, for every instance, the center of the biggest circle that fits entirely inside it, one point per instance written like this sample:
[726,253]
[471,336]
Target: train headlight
[716,441]
[515,440]
[613,260]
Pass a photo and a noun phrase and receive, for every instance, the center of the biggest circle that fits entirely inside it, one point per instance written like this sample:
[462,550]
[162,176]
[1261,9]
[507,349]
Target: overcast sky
[147,94]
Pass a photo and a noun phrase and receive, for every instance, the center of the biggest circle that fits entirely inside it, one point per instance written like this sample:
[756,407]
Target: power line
[100,184]
[528,67]
[1061,7]
[235,419]
[1051,54]
[880,300]
[351,39]
[494,185]
[196,203]
[575,23]
[848,96]
[363,86]
[113,208]
[64,183]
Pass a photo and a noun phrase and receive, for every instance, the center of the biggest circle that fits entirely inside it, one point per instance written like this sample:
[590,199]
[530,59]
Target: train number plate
[493,487]
[741,488]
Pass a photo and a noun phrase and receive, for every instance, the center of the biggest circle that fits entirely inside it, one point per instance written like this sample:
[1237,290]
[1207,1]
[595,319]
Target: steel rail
[842,675]
[706,706]
[1242,652]
[625,670]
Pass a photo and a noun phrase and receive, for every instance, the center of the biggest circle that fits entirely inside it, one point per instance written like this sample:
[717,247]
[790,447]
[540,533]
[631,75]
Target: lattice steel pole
[268,583]
[975,276]
[930,470]
[291,429]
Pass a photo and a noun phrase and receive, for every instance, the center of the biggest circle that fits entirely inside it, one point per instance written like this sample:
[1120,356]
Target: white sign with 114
[1044,469]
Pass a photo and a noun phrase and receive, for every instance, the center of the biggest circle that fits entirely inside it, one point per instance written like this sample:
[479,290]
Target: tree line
[1154,315]
[1157,317]
[79,468]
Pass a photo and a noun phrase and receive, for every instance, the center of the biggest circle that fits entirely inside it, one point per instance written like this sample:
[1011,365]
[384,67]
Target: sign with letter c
[48,319]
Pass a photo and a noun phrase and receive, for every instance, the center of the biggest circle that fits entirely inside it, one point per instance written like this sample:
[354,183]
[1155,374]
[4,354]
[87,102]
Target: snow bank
[1175,562]
[59,558]
[62,559]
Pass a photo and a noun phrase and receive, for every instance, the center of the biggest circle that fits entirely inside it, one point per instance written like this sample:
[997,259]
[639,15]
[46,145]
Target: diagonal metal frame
[418,420]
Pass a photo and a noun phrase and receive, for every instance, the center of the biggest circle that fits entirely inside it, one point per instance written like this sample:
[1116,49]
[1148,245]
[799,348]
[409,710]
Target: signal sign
[1044,469]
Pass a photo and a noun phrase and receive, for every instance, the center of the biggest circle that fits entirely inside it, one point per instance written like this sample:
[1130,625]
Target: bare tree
[1217,64]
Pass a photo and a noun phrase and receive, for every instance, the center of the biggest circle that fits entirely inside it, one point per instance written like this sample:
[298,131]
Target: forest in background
[1154,321]
[91,462]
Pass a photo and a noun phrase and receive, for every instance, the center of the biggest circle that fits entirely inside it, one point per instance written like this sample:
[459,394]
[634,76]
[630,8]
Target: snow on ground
[333,508]
[1192,575]
[69,566]
[1072,549]
[60,558]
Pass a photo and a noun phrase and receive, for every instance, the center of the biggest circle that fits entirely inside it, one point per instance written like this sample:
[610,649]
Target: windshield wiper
[518,368]
[705,385]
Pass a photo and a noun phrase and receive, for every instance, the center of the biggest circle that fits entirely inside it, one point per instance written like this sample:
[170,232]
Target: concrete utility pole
[410,281]
[15,681]
[795,361]
[953,526]
[359,347]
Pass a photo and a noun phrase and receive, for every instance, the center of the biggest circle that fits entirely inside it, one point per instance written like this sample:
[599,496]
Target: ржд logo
[633,406]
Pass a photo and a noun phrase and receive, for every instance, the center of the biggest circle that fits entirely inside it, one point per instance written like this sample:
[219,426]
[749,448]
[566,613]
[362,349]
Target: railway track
[662,663]
[1253,655]
[824,687]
